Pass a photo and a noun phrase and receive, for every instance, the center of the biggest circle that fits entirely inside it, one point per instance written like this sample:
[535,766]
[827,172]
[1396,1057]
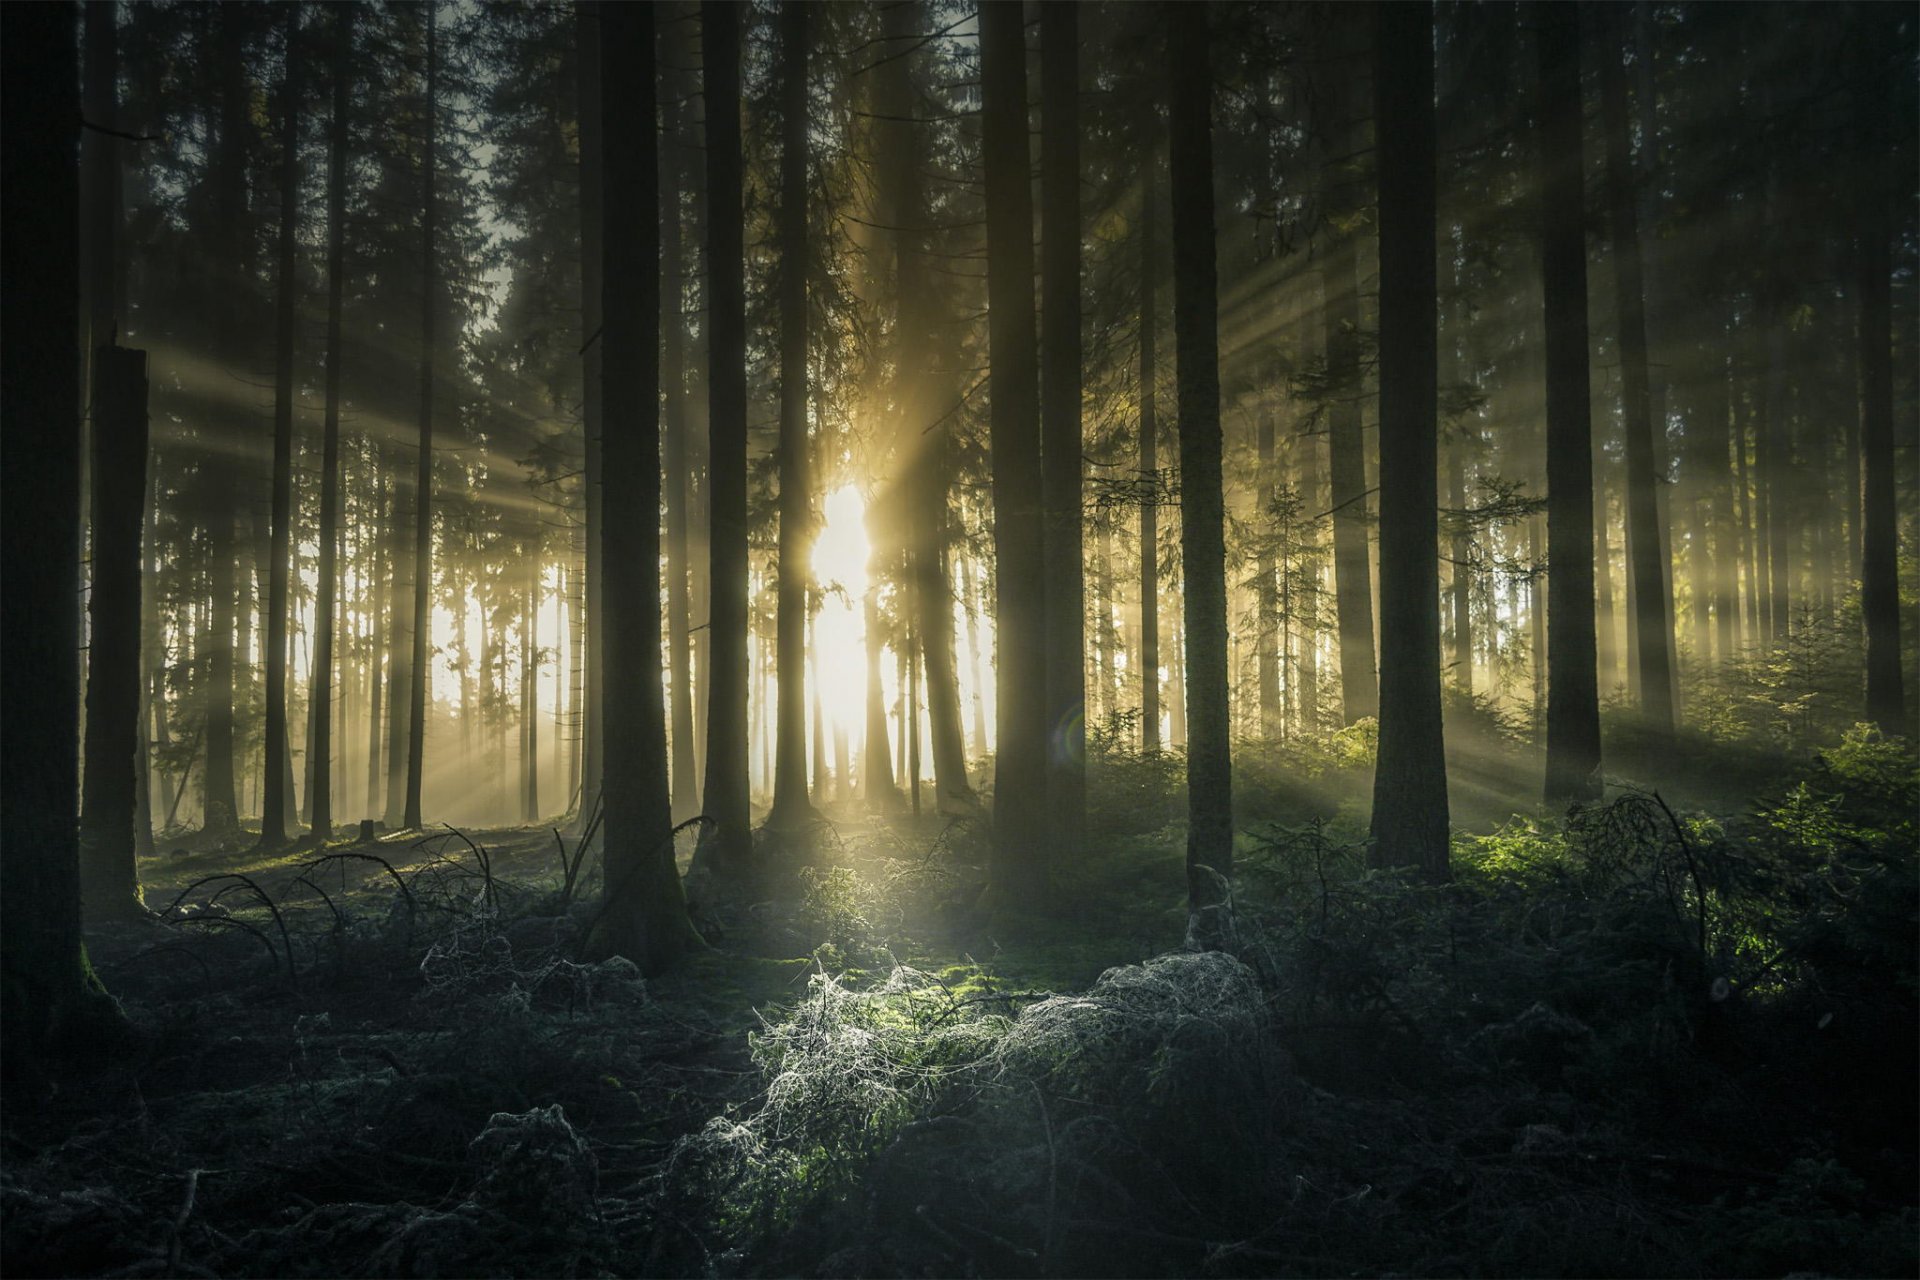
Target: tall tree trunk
[423,484]
[586,22]
[791,807]
[1021,829]
[1573,688]
[1573,678]
[686,794]
[1149,435]
[380,594]
[1060,429]
[46,987]
[1879,583]
[972,598]
[214,663]
[109,876]
[728,842]
[1718,470]
[276,800]
[1460,571]
[1643,515]
[882,793]
[530,694]
[1410,781]
[1268,644]
[1346,448]
[1203,552]
[320,704]
[645,915]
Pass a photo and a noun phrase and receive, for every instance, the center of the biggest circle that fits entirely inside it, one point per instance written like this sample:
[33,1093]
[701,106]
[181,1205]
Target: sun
[839,638]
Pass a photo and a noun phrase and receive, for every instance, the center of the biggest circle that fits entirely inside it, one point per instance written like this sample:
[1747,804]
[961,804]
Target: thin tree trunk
[277,802]
[1060,446]
[586,22]
[791,807]
[686,795]
[1643,516]
[1149,438]
[1879,583]
[729,840]
[423,484]
[1410,781]
[1202,501]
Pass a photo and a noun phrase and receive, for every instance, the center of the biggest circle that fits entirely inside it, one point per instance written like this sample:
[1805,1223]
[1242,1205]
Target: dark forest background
[898,637]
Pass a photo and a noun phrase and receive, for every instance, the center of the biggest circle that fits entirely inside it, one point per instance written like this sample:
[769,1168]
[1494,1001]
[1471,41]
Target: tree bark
[1643,516]
[1573,688]
[686,792]
[791,807]
[645,915]
[1879,583]
[1409,826]
[46,987]
[320,705]
[276,802]
[1060,427]
[109,876]
[1018,872]
[586,24]
[728,842]
[423,484]
[1202,502]
[1149,435]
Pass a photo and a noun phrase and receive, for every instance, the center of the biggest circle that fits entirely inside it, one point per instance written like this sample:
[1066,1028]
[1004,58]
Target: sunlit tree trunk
[1266,590]
[791,807]
[320,705]
[1409,826]
[423,485]
[1149,435]
[1644,541]
[1202,502]
[728,843]
[686,795]
[586,23]
[276,799]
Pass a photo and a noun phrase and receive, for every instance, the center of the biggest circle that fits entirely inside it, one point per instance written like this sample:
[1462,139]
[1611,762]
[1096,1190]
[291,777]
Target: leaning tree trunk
[645,914]
[1573,688]
[1409,825]
[728,842]
[791,807]
[1203,552]
[46,987]
[320,705]
[1060,429]
[276,803]
[1643,513]
[1019,867]
[423,482]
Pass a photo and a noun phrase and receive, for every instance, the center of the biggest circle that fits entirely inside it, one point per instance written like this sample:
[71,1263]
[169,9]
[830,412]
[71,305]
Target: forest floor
[390,1059]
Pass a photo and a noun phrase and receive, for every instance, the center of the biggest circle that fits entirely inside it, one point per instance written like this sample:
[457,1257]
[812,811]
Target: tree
[1060,443]
[645,915]
[1573,688]
[1149,433]
[791,808]
[675,177]
[586,21]
[47,991]
[1020,824]
[1409,825]
[423,482]
[1643,513]
[728,842]
[275,798]
[110,881]
[1879,580]
[320,705]
[1346,450]
[1202,501]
